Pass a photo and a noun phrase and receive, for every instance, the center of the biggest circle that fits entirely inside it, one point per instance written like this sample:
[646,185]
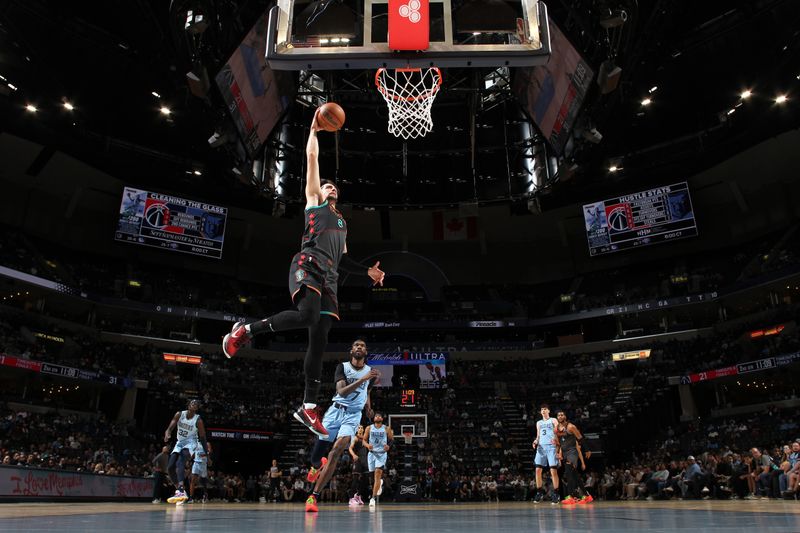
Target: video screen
[172,223]
[640,219]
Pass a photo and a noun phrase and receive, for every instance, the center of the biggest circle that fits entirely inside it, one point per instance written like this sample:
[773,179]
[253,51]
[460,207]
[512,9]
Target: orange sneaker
[313,473]
[569,500]
[586,499]
[311,504]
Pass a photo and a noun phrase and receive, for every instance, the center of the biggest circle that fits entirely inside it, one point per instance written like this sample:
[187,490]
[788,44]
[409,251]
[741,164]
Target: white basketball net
[409,94]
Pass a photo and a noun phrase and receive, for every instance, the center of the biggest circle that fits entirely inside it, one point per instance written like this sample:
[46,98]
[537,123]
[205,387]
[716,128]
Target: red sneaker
[569,501]
[234,340]
[313,473]
[311,419]
[311,504]
[586,499]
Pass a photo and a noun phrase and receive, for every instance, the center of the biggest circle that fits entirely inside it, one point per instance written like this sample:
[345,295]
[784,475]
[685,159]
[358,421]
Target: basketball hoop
[407,436]
[409,94]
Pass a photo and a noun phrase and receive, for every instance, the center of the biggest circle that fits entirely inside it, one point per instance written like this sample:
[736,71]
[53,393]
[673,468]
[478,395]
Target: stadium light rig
[745,94]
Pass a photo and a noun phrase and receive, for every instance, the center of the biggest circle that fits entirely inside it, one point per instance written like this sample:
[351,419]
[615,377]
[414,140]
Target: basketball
[331,116]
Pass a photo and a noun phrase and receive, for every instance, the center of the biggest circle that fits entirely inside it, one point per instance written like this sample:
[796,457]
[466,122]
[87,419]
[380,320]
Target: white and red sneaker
[310,418]
[234,340]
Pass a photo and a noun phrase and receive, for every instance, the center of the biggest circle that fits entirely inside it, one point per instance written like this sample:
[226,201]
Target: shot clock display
[408,398]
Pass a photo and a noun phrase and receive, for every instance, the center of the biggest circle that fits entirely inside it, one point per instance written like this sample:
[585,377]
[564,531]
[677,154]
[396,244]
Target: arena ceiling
[119,65]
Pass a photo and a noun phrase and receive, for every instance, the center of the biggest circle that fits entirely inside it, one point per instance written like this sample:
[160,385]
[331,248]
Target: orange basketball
[331,116]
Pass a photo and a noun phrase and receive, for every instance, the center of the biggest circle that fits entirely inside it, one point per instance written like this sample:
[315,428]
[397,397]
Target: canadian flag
[448,226]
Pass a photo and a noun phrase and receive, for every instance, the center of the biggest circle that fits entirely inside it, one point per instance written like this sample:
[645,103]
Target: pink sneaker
[358,498]
[354,502]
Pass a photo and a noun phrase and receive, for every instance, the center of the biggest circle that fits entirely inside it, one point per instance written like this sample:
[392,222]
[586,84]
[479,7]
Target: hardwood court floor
[656,517]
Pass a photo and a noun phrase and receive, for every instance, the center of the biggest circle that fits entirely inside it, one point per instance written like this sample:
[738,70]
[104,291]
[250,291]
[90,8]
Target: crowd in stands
[71,442]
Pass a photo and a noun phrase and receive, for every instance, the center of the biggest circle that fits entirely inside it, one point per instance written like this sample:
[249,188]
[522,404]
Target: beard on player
[330,192]
[358,350]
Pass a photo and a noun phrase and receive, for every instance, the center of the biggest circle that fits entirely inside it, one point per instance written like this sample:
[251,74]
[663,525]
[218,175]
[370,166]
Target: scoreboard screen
[640,219]
[171,223]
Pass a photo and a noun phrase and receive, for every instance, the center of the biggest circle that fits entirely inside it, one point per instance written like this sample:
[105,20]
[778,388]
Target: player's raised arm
[313,190]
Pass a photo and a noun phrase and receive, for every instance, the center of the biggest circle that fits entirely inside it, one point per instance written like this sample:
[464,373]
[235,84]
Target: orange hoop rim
[422,96]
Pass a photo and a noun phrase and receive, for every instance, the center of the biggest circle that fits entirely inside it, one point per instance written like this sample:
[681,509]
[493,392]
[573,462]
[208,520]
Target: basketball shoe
[234,340]
[179,497]
[539,496]
[313,473]
[310,418]
[569,500]
[554,499]
[311,504]
[586,499]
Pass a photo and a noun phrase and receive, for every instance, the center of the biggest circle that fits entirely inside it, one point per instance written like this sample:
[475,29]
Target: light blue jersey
[356,400]
[377,437]
[547,432]
[344,415]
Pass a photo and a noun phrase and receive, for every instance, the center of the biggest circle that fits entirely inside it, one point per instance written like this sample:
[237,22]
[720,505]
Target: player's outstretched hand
[373,374]
[166,436]
[376,274]
[315,122]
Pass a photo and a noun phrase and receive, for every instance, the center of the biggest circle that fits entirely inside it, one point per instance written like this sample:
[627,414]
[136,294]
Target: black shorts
[312,272]
[571,457]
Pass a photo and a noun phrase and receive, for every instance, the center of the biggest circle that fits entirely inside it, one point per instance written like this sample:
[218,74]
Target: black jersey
[568,440]
[324,235]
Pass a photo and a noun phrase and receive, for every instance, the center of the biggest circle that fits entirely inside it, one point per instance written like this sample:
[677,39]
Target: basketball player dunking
[570,437]
[353,379]
[313,277]
[546,445]
[378,439]
[191,436]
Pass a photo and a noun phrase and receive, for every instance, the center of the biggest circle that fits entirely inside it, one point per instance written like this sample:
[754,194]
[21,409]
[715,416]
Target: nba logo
[409,24]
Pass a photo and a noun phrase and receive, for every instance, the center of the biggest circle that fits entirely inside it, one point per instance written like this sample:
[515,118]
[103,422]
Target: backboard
[354,34]
[418,423]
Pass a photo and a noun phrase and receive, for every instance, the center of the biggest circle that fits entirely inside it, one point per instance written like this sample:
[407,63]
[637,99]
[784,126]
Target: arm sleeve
[351,266]
[338,375]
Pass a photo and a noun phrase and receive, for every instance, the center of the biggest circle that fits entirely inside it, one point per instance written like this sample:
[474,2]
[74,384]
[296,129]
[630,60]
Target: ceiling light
[324,41]
[781,98]
[31,108]
[12,86]
[745,94]
[653,89]
[613,168]
[731,111]
[4,78]
[165,110]
[198,173]
[646,102]
[68,106]
[155,94]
